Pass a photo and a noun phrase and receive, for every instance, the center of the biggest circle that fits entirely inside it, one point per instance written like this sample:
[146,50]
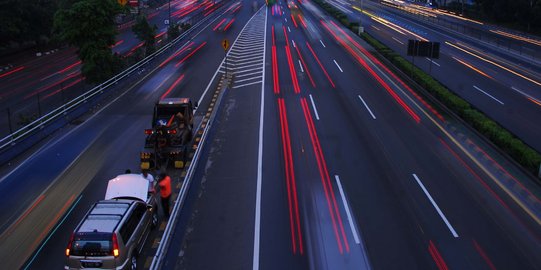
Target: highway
[501,83]
[346,141]
[320,158]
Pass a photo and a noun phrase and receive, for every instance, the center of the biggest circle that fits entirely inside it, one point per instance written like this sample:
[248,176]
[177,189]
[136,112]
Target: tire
[133,262]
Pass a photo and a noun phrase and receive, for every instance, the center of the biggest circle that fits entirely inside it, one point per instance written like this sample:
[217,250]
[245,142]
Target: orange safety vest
[165,187]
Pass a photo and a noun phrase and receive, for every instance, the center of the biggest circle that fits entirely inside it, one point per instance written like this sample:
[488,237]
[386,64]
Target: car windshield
[92,244]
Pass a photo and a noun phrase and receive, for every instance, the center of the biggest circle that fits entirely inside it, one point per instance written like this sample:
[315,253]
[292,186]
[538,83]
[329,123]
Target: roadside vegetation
[89,26]
[499,136]
[145,33]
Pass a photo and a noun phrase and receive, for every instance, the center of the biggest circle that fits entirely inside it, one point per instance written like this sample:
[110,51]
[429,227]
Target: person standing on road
[165,192]
[150,179]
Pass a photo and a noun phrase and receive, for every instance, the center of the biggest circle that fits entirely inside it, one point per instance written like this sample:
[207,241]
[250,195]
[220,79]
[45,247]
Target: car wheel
[133,263]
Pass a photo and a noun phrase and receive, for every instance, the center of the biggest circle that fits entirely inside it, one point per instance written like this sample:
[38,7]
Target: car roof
[127,186]
[104,217]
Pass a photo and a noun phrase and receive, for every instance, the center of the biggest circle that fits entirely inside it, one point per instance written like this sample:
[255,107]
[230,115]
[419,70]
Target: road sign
[225,44]
[424,48]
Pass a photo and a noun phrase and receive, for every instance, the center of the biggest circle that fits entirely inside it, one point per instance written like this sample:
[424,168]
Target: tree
[26,22]
[145,33]
[89,26]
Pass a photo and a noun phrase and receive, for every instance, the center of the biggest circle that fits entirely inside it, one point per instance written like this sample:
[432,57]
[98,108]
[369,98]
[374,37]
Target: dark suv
[111,235]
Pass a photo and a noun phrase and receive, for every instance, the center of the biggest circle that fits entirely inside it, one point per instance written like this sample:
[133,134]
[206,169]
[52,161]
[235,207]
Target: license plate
[91,264]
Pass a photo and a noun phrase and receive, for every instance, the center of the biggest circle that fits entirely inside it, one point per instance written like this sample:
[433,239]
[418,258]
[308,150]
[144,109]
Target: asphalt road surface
[320,158]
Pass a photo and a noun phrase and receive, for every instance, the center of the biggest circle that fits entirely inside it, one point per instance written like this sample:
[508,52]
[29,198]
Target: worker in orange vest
[165,192]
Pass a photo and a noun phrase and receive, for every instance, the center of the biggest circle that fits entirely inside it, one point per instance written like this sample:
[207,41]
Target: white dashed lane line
[367,108]
[338,65]
[489,95]
[398,41]
[314,106]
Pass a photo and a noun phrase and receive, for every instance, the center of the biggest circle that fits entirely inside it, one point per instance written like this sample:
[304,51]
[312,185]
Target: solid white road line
[249,79]
[300,65]
[257,223]
[346,206]
[246,84]
[314,106]
[338,66]
[434,62]
[248,74]
[247,70]
[365,105]
[322,44]
[398,41]
[436,206]
[243,67]
[481,90]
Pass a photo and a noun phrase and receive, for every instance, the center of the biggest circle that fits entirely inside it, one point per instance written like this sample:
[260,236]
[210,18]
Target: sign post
[225,45]
[421,48]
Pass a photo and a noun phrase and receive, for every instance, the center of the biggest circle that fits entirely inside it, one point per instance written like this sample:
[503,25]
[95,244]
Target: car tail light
[172,131]
[115,245]
[69,245]
[148,131]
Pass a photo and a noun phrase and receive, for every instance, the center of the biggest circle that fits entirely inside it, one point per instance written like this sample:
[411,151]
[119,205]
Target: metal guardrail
[23,132]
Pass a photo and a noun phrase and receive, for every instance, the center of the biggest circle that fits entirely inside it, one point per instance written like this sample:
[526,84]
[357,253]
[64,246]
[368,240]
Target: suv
[114,230]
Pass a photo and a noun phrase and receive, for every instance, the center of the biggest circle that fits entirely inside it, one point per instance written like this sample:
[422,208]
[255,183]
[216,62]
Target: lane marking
[338,66]
[526,95]
[322,44]
[293,41]
[289,30]
[376,28]
[453,232]
[366,106]
[257,223]
[247,74]
[481,90]
[53,232]
[246,84]
[246,70]
[300,65]
[434,62]
[314,106]
[398,41]
[346,206]
[249,79]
